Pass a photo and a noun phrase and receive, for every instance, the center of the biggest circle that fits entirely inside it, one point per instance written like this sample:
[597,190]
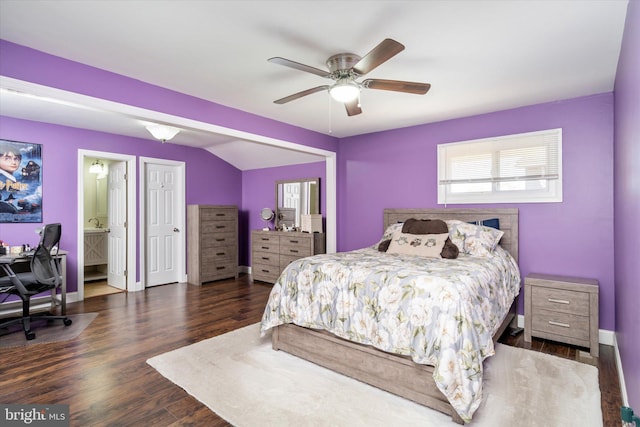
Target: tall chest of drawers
[563,309]
[272,251]
[212,243]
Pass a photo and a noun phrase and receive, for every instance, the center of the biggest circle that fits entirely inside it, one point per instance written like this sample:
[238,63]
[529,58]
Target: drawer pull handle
[559,301]
[220,253]
[564,325]
[265,271]
[221,226]
[293,241]
[266,258]
[265,239]
[295,251]
[264,247]
[220,268]
[220,240]
[221,214]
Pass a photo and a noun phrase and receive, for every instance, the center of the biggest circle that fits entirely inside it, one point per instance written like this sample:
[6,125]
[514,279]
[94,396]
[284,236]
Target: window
[519,168]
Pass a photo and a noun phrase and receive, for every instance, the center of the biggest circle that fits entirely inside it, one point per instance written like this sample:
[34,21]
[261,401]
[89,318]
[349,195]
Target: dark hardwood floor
[104,377]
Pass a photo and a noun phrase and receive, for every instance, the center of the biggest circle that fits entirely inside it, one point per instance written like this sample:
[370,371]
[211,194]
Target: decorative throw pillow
[426,245]
[432,226]
[384,245]
[476,239]
[424,226]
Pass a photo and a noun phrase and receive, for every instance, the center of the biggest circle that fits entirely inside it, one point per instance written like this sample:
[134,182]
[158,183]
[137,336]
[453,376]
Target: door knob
[176,230]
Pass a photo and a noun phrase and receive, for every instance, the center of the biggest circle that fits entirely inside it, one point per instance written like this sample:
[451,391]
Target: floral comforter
[440,312]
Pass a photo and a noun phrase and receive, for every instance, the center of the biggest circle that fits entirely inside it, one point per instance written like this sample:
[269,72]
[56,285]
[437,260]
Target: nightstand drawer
[560,300]
[564,324]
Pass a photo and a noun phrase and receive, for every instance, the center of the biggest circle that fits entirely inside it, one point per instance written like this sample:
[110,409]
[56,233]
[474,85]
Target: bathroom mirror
[294,198]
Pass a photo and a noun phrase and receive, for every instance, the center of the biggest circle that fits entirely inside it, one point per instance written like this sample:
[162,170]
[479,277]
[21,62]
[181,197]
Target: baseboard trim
[605,336]
[623,385]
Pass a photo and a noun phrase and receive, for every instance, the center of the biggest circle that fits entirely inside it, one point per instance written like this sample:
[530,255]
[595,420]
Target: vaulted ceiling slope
[478,55]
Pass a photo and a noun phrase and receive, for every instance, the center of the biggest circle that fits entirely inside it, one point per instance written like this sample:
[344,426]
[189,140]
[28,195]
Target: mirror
[267,215]
[294,198]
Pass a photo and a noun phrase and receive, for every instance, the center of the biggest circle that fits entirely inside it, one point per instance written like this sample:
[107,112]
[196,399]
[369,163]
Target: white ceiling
[479,56]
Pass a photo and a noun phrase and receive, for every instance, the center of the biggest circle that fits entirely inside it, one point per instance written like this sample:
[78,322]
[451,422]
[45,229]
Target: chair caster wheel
[30,335]
[67,321]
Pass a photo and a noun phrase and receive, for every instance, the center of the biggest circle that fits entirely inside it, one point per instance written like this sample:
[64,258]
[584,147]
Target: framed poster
[20,181]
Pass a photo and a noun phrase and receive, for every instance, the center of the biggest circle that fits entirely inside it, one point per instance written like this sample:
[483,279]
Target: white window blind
[524,167]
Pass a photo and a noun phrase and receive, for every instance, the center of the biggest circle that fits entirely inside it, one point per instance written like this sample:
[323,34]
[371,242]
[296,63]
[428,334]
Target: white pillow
[473,239]
[426,245]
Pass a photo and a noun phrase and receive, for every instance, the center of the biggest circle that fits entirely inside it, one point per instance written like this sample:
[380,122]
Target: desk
[22,264]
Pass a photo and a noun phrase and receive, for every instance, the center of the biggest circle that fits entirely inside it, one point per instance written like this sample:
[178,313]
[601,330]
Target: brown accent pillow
[432,226]
[424,226]
[384,245]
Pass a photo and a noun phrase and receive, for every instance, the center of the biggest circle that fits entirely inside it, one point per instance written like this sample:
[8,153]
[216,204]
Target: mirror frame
[315,201]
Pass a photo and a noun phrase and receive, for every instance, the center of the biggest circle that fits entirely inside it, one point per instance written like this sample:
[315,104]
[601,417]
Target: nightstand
[563,309]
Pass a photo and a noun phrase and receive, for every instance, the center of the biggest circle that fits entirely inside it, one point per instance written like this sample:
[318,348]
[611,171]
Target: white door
[117,208]
[162,244]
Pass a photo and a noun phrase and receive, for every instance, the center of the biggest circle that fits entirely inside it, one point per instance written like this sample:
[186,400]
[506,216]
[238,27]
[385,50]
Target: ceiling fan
[345,68]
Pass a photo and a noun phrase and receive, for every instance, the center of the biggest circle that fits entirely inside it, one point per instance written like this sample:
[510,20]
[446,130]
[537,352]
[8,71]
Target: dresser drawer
[299,246]
[265,258]
[265,273]
[265,243]
[210,272]
[285,260]
[219,254]
[209,227]
[563,324]
[560,300]
[218,239]
[218,214]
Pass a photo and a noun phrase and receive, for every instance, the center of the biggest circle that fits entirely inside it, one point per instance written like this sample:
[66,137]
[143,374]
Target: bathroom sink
[95,230]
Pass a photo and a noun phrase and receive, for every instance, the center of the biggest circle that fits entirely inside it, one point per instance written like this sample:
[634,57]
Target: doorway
[106,244]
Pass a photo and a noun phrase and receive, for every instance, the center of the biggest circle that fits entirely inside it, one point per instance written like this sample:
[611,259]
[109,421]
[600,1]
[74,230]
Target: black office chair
[45,275]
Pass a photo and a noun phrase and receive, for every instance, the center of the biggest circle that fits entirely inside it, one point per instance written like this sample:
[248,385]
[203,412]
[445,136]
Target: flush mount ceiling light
[96,167]
[162,133]
[345,90]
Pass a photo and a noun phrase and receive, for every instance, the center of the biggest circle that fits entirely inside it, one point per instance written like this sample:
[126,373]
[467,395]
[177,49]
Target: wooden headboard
[508,220]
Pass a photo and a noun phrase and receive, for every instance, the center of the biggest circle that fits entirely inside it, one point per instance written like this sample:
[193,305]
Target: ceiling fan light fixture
[344,90]
[162,133]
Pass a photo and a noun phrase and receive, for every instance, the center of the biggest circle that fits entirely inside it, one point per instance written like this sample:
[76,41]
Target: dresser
[563,309]
[272,251]
[212,243]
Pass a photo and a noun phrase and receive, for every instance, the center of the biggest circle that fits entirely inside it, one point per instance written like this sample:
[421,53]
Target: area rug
[46,332]
[239,377]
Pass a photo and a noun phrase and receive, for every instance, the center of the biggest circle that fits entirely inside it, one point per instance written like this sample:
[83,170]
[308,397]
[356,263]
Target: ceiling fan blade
[300,94]
[353,107]
[397,86]
[299,66]
[386,50]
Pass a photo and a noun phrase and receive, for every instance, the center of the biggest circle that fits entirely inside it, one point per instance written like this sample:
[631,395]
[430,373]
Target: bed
[437,364]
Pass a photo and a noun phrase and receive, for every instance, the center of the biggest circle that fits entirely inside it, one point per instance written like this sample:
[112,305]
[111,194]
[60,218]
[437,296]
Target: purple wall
[60,146]
[398,168]
[34,66]
[627,203]
[258,191]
